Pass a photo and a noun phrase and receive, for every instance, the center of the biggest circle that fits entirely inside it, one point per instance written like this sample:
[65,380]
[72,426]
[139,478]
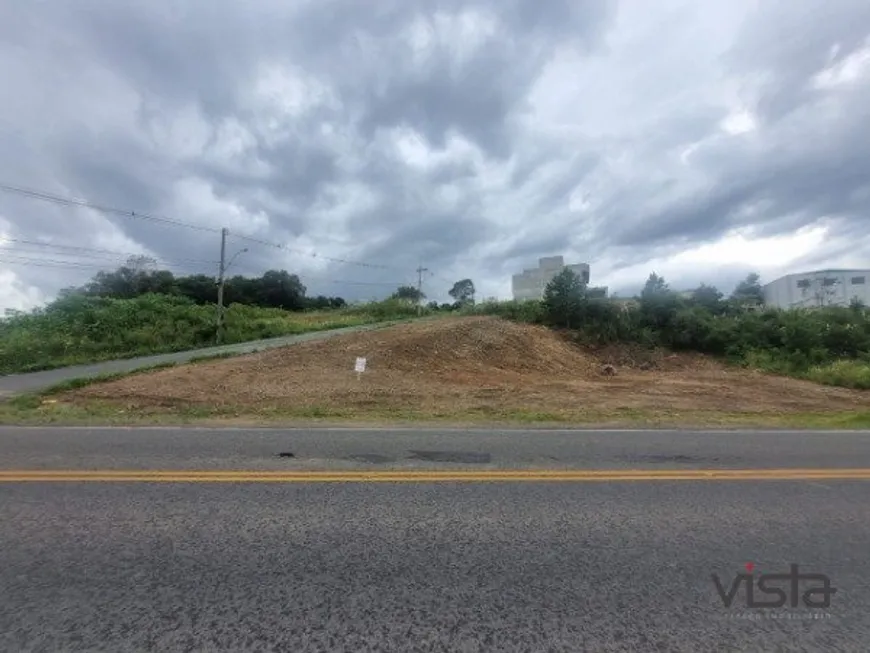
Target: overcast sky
[700,140]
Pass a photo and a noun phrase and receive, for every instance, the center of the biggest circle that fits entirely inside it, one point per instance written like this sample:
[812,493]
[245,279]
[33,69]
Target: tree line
[462,292]
[274,289]
[738,327]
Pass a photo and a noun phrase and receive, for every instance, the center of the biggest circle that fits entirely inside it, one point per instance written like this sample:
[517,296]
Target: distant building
[818,288]
[530,283]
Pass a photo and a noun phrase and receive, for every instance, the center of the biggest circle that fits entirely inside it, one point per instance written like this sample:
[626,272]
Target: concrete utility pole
[221,278]
[420,271]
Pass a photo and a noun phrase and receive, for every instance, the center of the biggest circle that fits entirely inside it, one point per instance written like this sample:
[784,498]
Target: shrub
[530,311]
[828,345]
[847,373]
[81,329]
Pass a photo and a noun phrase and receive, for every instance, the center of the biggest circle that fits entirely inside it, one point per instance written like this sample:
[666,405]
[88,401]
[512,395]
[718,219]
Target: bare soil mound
[478,344]
[479,365]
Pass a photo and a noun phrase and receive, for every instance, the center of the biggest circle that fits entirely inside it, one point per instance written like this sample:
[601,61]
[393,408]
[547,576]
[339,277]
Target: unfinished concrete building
[531,282]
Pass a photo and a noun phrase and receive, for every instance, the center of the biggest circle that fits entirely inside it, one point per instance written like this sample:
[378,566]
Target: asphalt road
[14,384]
[426,566]
[150,448]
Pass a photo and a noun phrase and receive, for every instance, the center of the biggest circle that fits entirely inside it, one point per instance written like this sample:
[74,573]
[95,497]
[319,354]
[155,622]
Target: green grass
[44,409]
[75,384]
[829,346]
[79,330]
[205,358]
[845,373]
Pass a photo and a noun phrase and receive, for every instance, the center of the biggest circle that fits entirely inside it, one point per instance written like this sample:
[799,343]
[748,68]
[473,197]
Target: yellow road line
[428,476]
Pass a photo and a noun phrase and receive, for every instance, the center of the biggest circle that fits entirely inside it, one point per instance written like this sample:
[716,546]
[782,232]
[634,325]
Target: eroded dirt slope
[478,363]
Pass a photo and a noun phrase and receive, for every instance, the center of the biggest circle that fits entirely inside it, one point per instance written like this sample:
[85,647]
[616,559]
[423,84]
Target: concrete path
[14,384]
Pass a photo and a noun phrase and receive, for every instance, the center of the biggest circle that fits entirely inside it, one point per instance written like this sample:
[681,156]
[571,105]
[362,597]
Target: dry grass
[463,367]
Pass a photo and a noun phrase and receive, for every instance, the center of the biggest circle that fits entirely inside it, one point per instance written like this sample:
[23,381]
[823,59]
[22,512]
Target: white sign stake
[360,367]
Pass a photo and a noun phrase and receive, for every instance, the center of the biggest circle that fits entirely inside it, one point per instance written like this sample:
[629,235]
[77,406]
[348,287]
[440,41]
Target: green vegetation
[79,329]
[829,345]
[409,293]
[84,381]
[274,289]
[462,292]
[137,310]
[36,409]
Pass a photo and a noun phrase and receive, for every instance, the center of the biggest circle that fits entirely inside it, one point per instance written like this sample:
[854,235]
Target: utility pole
[221,279]
[420,271]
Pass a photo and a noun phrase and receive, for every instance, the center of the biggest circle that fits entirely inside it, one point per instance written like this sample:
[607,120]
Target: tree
[321,302]
[409,293]
[243,290]
[201,288]
[275,289]
[463,291]
[708,297]
[123,283]
[658,303]
[161,282]
[280,289]
[564,297]
[69,291]
[655,286]
[749,291]
[596,293]
[141,263]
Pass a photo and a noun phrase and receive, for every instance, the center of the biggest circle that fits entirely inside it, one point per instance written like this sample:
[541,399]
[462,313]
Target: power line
[93,249]
[54,263]
[68,201]
[438,276]
[102,262]
[321,279]
[91,252]
[246,269]
[41,262]
[120,260]
[332,259]
[393,284]
[48,263]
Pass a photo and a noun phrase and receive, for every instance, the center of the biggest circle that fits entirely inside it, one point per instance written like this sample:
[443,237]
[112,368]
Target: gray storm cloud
[457,135]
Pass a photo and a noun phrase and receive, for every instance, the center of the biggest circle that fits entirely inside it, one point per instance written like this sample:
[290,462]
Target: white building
[530,283]
[818,288]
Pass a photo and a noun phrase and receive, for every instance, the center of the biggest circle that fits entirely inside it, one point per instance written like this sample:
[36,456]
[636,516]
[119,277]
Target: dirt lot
[463,367]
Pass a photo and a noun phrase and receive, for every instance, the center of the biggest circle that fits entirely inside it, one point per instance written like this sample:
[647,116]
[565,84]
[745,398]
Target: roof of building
[809,273]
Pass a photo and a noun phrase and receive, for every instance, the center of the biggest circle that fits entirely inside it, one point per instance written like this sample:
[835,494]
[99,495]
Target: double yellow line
[429,476]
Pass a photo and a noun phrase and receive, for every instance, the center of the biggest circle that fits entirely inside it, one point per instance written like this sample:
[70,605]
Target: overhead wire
[67,201]
[10,257]
[438,276]
[80,265]
[392,284]
[30,246]
[332,259]
[53,198]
